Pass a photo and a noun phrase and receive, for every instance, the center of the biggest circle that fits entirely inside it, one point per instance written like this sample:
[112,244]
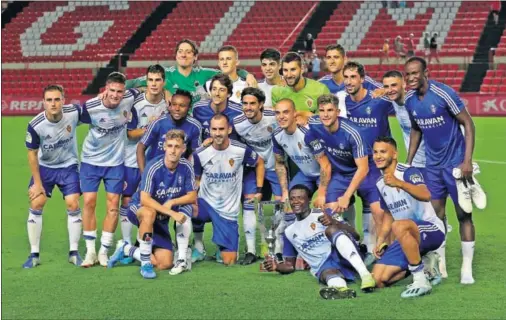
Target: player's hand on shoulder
[380,92]
[207,142]
[251,81]
[269,263]
[102,95]
[391,180]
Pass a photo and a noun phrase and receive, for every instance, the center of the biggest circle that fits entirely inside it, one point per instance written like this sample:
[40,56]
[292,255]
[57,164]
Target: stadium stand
[495,80]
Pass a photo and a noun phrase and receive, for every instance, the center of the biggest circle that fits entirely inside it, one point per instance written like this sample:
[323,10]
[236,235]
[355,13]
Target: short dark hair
[224,80]
[328,98]
[292,56]
[337,47]
[195,49]
[219,116]
[393,74]
[116,77]
[419,60]
[53,87]
[271,53]
[355,65]
[302,187]
[250,91]
[229,48]
[184,93]
[156,68]
[386,139]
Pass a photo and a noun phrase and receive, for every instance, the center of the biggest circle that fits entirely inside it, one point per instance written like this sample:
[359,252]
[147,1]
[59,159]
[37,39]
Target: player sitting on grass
[52,157]
[167,190]
[328,246]
[411,218]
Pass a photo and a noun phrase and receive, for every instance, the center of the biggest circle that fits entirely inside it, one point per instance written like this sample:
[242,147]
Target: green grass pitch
[58,290]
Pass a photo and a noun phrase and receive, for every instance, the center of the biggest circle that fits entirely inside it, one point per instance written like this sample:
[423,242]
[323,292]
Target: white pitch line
[491,161]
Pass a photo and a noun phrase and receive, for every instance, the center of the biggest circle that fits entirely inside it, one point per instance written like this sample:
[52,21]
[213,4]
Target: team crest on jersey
[368,110]
[299,145]
[231,162]
[309,103]
[125,114]
[313,225]
[69,128]
[269,128]
[433,108]
[180,180]
[238,94]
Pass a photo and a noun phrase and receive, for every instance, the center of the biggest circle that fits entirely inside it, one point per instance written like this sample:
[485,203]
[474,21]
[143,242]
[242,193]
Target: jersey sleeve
[453,101]
[325,90]
[358,148]
[277,148]
[148,176]
[313,143]
[197,166]
[134,120]
[250,157]
[150,134]
[289,250]
[190,184]
[138,82]
[32,140]
[414,176]
[196,138]
[135,92]
[383,204]
[84,115]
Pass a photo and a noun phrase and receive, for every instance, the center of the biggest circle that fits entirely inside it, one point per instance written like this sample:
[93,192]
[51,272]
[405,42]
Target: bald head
[285,114]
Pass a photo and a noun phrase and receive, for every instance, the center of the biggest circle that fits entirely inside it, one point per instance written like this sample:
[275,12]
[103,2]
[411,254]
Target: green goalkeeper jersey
[305,99]
[195,82]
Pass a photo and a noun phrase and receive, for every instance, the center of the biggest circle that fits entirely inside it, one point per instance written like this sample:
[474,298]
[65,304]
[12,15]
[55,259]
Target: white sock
[350,215]
[132,251]
[418,274]
[337,282]
[146,247]
[442,262]
[183,232]
[89,239]
[126,225]
[106,241]
[74,226]
[278,244]
[467,256]
[369,238]
[34,226]
[249,220]
[198,239]
[347,249]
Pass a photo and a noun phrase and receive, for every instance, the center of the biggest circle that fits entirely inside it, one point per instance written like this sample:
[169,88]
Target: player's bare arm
[415,138]
[141,156]
[325,174]
[383,231]
[286,267]
[37,189]
[282,174]
[251,81]
[302,117]
[149,202]
[464,118]
[343,202]
[189,198]
[136,133]
[327,220]
[420,192]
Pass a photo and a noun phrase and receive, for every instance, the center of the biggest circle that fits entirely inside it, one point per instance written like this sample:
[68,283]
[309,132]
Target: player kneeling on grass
[52,157]
[327,245]
[167,190]
[409,215]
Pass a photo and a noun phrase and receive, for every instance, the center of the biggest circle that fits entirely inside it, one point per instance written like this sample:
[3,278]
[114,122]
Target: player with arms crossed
[177,118]
[147,107]
[52,158]
[330,248]
[219,169]
[270,63]
[437,113]
[167,191]
[255,128]
[342,142]
[411,218]
[103,158]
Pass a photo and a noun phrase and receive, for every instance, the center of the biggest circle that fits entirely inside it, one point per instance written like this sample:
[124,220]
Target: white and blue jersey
[267,89]
[143,113]
[56,142]
[104,145]
[221,173]
[371,116]
[163,184]
[405,123]
[258,135]
[203,112]
[435,116]
[295,147]
[369,84]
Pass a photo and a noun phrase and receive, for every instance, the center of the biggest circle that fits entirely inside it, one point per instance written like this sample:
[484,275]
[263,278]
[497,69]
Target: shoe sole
[368,289]
[334,294]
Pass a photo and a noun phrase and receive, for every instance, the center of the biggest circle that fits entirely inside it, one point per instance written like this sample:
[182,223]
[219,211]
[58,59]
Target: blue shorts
[310,182]
[225,232]
[67,180]
[431,238]
[367,190]
[336,261]
[92,175]
[250,182]
[132,180]
[441,183]
[161,234]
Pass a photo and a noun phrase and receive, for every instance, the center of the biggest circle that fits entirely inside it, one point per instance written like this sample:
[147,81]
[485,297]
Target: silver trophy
[269,220]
